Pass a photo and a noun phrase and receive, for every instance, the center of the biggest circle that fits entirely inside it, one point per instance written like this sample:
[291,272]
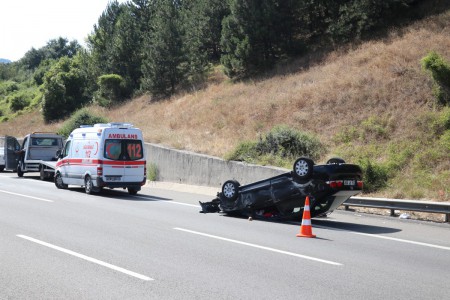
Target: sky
[32,23]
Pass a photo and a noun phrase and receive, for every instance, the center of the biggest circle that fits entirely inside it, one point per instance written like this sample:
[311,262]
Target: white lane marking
[26,196]
[260,247]
[90,259]
[403,241]
[167,201]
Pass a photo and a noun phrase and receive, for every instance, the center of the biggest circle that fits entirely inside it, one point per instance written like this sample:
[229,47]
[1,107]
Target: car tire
[59,182]
[132,191]
[303,168]
[335,161]
[2,169]
[230,189]
[19,170]
[88,185]
[42,173]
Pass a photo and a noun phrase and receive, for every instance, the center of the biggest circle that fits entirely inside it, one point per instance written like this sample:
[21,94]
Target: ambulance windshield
[118,149]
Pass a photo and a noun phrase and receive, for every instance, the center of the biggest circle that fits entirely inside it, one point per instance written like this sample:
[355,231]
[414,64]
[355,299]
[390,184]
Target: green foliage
[435,123]
[245,151]
[64,89]
[110,90]
[152,172]
[162,69]
[7,87]
[375,175]
[279,147]
[18,101]
[54,50]
[116,42]
[440,71]
[373,128]
[80,117]
[257,33]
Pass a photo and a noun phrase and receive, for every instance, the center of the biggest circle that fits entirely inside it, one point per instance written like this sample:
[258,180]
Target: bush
[280,146]
[80,117]
[440,71]
[8,87]
[152,172]
[375,176]
[18,102]
[289,143]
[245,151]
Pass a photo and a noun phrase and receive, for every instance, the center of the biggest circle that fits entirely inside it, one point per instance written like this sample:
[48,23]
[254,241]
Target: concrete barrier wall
[191,168]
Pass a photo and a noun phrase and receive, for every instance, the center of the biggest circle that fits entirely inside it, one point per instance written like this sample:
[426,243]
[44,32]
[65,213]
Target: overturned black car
[283,196]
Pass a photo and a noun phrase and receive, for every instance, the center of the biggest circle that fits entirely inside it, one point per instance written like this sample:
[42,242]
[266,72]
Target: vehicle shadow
[326,224]
[354,227]
[120,195]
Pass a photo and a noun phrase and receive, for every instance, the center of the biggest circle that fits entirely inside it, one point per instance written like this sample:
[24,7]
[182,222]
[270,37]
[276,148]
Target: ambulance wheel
[19,170]
[59,182]
[132,191]
[88,185]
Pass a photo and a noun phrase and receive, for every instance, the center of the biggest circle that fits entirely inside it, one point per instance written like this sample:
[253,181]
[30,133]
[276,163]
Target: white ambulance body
[104,155]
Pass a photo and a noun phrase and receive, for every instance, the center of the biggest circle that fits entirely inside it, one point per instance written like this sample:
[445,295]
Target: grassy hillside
[372,102]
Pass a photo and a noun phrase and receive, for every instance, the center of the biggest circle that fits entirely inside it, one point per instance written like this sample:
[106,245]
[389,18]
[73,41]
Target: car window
[67,149]
[123,149]
[44,142]
[134,149]
[113,149]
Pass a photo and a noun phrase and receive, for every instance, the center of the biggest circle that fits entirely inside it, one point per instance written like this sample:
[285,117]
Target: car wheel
[303,168]
[1,169]
[41,173]
[230,189]
[335,161]
[132,191]
[88,185]
[59,182]
[19,170]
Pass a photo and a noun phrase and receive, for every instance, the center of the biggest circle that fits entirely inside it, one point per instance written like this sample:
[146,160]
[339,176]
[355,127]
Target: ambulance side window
[67,148]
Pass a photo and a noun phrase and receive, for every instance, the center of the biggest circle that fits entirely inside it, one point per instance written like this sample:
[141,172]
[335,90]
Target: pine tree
[163,64]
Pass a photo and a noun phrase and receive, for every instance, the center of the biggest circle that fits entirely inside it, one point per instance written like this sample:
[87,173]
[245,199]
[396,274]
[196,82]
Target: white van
[103,155]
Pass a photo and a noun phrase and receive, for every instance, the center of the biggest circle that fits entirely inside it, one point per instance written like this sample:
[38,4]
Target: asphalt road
[64,244]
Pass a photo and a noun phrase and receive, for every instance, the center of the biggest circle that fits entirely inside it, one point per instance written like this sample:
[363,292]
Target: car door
[12,154]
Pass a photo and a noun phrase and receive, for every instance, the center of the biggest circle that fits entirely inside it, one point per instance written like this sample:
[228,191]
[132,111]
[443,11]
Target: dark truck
[283,196]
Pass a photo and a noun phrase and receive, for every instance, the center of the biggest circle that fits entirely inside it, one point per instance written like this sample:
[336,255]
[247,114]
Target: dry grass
[381,78]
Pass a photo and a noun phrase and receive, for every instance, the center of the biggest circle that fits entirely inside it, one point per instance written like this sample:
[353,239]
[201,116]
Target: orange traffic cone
[306,228]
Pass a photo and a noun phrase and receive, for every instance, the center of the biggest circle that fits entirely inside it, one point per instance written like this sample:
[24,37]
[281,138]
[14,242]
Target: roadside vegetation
[375,94]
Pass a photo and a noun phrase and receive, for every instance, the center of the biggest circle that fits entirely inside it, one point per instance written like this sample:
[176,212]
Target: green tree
[257,33]
[163,65]
[110,90]
[55,49]
[63,89]
[116,43]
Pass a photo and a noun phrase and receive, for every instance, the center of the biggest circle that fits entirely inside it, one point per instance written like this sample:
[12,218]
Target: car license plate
[113,178]
[349,182]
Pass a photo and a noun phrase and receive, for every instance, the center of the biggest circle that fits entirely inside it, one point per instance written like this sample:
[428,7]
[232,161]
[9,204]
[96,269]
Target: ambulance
[103,156]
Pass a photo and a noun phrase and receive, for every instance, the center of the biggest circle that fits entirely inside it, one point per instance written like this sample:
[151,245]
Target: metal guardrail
[395,204]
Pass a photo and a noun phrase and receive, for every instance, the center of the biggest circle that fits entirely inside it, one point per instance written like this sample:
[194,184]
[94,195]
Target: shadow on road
[119,194]
[361,228]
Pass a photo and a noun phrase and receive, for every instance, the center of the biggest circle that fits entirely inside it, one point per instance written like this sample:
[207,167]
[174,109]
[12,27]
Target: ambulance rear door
[124,154]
